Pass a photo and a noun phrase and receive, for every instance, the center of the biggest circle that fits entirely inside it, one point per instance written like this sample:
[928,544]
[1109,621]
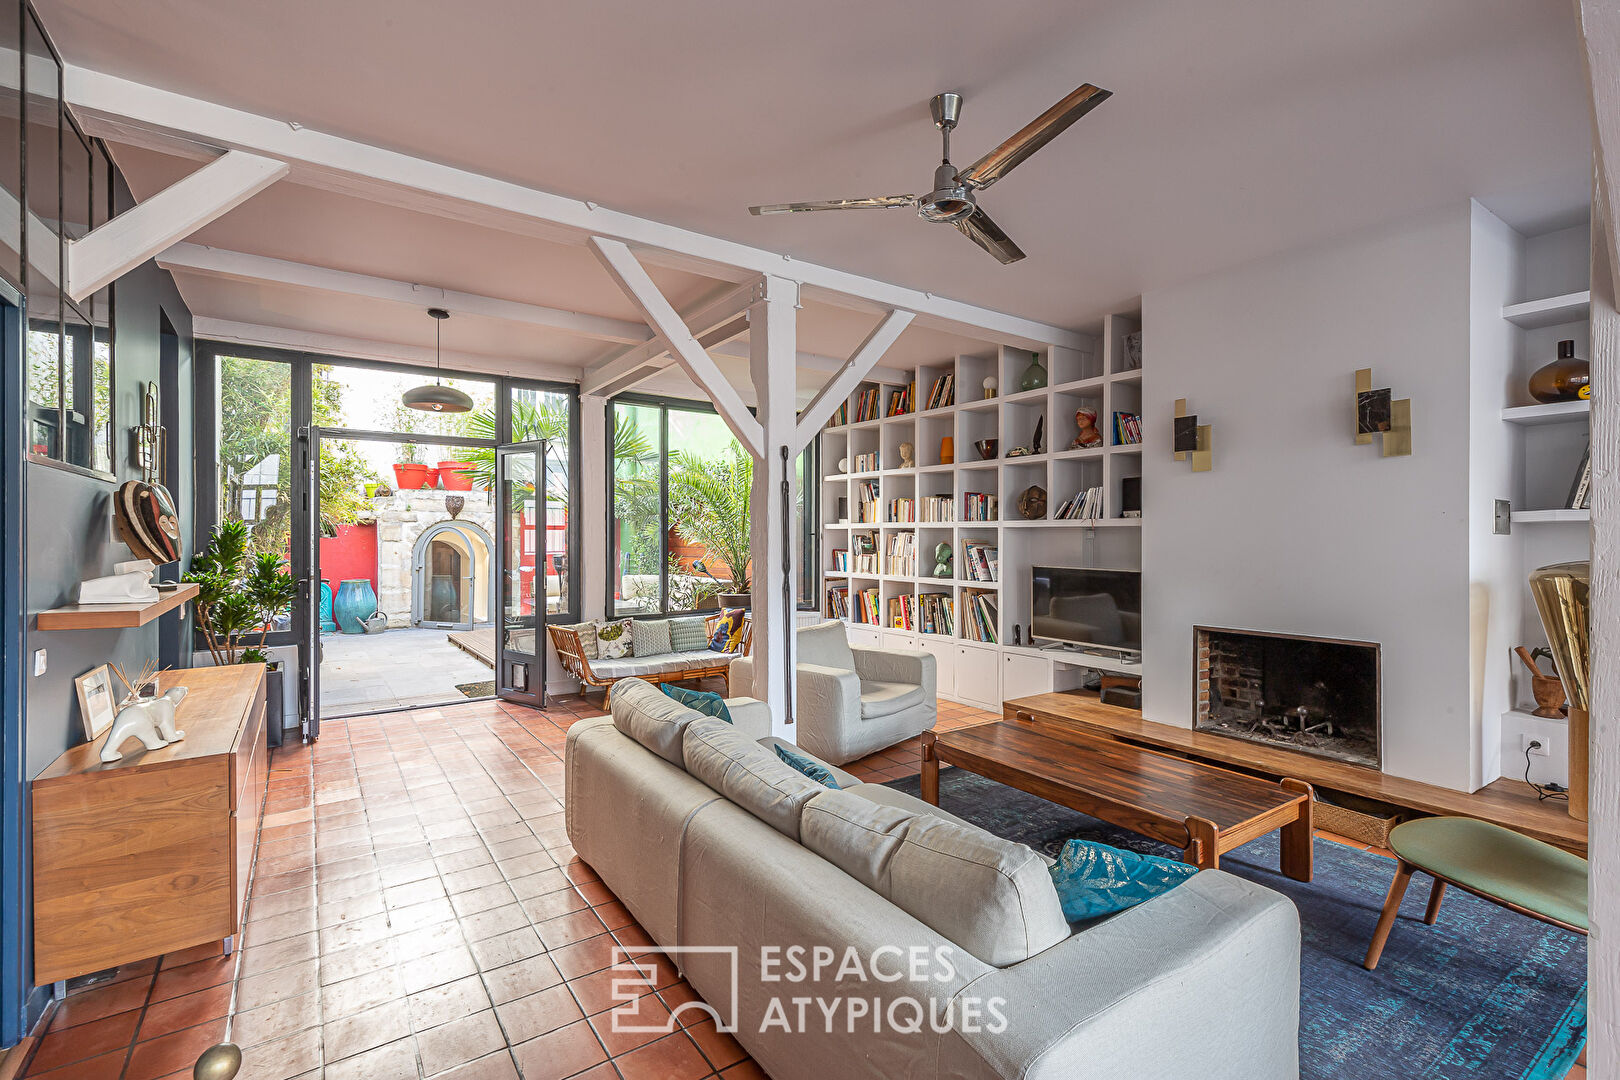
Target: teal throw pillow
[706,702]
[1094,879]
[813,770]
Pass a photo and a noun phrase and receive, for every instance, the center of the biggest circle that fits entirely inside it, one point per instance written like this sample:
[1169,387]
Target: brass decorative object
[219,1062]
[1032,503]
[1193,440]
[1375,412]
[1563,597]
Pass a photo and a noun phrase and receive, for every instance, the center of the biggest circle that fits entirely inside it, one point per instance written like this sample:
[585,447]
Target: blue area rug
[1484,993]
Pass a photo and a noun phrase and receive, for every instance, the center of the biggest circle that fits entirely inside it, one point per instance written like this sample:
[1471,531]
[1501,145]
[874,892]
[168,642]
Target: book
[1127,428]
[943,392]
[1580,492]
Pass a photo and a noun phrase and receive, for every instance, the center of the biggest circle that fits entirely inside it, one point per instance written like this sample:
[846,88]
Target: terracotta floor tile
[584,957]
[360,993]
[83,1041]
[746,1070]
[536,1014]
[295,1055]
[271,1022]
[458,1042]
[189,978]
[100,1002]
[448,1002]
[558,1054]
[496,1066]
[172,1052]
[674,1057]
[632,1024]
[365,1030]
[102,1067]
[521,979]
[187,1010]
[391,1061]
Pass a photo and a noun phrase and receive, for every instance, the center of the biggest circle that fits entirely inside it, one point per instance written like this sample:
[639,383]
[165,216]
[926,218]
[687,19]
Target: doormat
[477,689]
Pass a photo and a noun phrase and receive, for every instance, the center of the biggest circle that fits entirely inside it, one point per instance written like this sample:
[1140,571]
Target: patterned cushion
[587,638]
[649,637]
[613,639]
[1094,879]
[728,631]
[817,772]
[706,702]
[688,635]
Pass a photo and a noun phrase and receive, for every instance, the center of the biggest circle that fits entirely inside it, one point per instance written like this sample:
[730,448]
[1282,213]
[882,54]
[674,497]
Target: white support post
[845,380]
[595,546]
[632,277]
[109,251]
[772,349]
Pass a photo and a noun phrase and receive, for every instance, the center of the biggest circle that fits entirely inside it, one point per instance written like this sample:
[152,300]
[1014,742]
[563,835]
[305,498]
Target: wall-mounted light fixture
[1377,414]
[1193,439]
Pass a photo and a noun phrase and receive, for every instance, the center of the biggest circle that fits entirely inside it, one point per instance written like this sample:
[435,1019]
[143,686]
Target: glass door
[520,523]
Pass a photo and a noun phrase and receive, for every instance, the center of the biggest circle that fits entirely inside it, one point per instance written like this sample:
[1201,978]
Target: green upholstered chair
[1493,863]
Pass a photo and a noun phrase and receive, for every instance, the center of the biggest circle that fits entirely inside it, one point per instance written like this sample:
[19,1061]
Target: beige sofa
[718,848]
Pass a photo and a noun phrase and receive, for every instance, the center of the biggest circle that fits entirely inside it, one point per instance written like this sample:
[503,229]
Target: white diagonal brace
[109,251]
[607,385]
[843,383]
[241,266]
[632,277]
[608,376]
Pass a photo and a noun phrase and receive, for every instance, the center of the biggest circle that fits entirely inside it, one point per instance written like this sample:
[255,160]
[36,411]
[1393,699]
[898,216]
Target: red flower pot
[410,475]
[432,478]
[455,475]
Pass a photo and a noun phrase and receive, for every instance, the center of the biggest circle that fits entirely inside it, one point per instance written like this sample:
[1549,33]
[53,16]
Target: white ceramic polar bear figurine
[150,720]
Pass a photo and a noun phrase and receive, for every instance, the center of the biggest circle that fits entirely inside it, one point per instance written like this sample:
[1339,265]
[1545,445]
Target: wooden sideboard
[151,853]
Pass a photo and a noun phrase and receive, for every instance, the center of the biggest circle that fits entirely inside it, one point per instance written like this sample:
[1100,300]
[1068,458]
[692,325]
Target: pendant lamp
[435,396]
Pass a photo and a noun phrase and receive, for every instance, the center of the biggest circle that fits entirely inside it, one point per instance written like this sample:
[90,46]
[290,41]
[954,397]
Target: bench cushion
[1498,863]
[662,664]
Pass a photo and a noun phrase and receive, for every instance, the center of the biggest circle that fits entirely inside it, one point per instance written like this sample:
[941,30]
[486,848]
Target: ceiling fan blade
[1040,131]
[876,202]
[978,228]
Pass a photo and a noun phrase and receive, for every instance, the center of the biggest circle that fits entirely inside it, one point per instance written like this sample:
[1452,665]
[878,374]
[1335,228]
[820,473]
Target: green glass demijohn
[1034,375]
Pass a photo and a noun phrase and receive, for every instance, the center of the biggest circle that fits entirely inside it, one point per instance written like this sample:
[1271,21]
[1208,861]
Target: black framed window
[679,509]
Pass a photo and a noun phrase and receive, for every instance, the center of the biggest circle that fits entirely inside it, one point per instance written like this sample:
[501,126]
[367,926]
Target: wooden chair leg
[1436,894]
[1386,920]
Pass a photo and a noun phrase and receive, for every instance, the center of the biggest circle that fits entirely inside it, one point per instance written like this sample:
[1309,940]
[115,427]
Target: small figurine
[163,709]
[134,720]
[1086,420]
[942,561]
[907,458]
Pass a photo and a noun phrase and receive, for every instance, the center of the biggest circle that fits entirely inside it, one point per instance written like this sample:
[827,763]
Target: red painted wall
[350,555]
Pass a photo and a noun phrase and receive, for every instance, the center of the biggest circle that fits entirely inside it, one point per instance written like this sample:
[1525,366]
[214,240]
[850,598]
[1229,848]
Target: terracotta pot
[456,475]
[410,476]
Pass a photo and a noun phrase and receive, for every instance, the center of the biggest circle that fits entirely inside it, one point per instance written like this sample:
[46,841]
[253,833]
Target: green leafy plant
[240,593]
[709,505]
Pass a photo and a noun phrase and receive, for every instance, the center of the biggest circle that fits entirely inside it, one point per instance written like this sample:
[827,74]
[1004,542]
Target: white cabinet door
[978,677]
[900,640]
[943,650]
[1023,675]
[861,634]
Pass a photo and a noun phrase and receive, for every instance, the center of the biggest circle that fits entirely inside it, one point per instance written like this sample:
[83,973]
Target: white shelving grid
[974,670]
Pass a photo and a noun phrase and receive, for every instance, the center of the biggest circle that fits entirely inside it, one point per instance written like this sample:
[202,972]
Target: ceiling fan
[953,199]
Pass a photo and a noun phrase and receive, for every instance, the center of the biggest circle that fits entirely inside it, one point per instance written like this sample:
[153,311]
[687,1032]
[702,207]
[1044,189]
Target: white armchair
[854,701]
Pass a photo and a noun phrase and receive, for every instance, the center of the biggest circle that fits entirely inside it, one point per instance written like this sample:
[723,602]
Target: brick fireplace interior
[1316,695]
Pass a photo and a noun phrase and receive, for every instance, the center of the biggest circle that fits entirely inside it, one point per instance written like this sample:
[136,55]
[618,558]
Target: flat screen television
[1094,609]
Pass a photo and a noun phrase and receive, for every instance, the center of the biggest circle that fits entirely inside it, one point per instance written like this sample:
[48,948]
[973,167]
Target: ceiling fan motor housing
[950,200]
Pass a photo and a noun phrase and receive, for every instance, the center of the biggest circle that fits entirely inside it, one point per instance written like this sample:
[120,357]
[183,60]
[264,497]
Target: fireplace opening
[1316,695]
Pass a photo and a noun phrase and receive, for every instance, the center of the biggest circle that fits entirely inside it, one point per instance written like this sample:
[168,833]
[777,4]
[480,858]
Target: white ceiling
[1236,131]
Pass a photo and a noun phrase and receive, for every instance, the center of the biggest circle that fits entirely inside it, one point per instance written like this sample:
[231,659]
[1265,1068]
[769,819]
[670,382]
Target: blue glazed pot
[354,603]
[327,625]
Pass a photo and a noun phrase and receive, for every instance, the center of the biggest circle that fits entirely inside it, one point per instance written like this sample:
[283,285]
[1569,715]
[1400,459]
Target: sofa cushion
[771,742]
[826,645]
[688,635]
[748,774]
[884,795]
[887,698]
[1093,880]
[587,638]
[650,718]
[613,639]
[649,637]
[992,897]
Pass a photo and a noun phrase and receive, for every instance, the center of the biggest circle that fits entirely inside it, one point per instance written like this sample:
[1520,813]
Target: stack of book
[901,401]
[866,405]
[1087,504]
[867,600]
[903,613]
[840,416]
[901,554]
[980,616]
[866,502]
[937,614]
[978,506]
[937,508]
[903,511]
[943,393]
[838,601]
[980,562]
[867,462]
[840,560]
[863,557]
[1127,428]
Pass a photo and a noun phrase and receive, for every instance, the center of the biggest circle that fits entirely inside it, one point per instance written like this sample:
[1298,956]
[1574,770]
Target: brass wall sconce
[1193,439]
[1377,414]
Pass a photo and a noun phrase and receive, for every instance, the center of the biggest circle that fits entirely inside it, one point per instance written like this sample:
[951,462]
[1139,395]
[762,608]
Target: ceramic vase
[1567,378]
[327,625]
[354,603]
[1034,376]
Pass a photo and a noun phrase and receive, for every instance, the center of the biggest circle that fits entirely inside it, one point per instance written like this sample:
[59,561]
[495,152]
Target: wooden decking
[1510,803]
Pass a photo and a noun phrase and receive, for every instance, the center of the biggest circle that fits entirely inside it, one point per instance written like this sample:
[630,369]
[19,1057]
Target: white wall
[1297,529]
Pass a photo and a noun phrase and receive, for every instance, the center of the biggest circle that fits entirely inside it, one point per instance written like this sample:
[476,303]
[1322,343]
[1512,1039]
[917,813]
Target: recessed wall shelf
[1557,412]
[1545,517]
[1550,311]
[114,616]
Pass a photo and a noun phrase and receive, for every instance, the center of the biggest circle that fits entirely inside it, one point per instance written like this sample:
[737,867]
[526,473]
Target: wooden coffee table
[1203,810]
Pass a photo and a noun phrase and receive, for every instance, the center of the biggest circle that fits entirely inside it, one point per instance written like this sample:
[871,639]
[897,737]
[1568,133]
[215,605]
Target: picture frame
[98,701]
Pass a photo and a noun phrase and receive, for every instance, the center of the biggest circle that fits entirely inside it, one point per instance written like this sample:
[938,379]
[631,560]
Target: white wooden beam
[125,111]
[843,383]
[111,250]
[662,317]
[1598,24]
[616,373]
[40,235]
[240,266]
[234,332]
[773,328]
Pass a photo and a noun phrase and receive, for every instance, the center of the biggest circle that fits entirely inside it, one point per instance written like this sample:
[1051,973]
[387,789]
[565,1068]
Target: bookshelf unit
[977,660]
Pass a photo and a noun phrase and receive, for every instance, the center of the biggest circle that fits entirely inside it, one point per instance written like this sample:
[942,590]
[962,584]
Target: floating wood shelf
[1551,311]
[115,616]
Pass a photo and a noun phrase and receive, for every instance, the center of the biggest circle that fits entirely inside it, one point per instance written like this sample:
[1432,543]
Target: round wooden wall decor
[147,520]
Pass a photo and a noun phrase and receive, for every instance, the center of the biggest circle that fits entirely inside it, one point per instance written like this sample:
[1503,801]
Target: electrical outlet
[1533,746]
[1502,520]
[39,662]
